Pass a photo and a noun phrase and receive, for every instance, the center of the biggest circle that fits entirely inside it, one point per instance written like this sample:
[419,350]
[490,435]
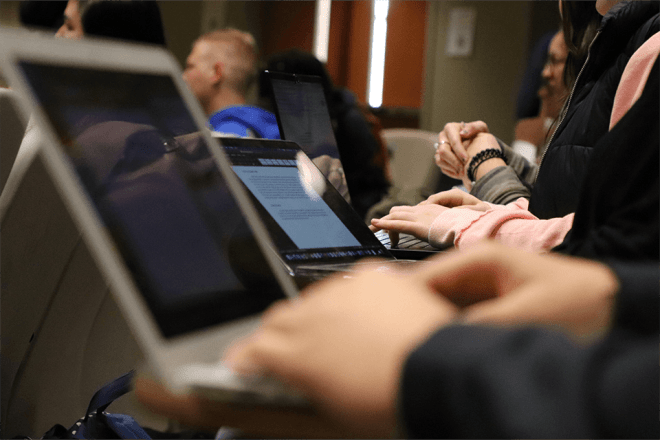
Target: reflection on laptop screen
[306,217]
[152,179]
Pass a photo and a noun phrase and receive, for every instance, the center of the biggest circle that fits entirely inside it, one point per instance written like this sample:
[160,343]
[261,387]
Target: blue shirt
[245,121]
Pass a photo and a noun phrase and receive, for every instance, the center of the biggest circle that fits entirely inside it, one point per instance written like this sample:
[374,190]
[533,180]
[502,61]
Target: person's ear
[217,71]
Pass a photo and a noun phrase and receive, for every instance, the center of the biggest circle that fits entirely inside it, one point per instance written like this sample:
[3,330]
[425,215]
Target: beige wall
[184,21]
[484,85]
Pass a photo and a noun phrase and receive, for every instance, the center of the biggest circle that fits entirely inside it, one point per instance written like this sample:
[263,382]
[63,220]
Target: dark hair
[131,20]
[580,22]
[42,14]
[302,63]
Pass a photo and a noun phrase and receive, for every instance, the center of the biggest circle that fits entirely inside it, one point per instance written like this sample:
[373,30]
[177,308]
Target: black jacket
[623,30]
[480,382]
[618,214]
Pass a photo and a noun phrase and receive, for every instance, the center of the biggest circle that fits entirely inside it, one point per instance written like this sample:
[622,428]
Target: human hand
[451,155]
[344,343]
[501,285]
[451,199]
[415,220]
[481,142]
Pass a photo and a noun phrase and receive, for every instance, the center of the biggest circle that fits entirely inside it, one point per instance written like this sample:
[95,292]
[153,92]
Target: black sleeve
[637,303]
[472,381]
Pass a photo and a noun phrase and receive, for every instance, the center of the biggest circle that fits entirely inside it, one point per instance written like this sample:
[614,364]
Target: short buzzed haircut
[238,52]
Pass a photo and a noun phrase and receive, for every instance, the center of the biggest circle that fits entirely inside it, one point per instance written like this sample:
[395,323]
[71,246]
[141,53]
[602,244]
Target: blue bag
[99,424]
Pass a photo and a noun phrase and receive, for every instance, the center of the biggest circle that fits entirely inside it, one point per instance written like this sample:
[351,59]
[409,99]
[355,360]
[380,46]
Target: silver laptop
[168,223]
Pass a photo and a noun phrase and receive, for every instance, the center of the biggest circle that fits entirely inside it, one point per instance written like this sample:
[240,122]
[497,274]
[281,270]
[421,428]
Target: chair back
[412,161]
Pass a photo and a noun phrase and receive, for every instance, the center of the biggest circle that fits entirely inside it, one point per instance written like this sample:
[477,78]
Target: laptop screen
[306,216]
[158,191]
[302,113]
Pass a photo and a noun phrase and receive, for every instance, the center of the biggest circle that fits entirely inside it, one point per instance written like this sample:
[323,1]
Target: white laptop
[168,223]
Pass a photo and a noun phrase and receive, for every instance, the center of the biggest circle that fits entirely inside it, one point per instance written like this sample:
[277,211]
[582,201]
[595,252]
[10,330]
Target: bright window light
[377,52]
[322,29]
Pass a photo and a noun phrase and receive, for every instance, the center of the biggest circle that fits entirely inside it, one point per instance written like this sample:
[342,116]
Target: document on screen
[299,210]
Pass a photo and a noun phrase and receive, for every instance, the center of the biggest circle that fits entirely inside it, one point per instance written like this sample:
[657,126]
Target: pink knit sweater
[513,224]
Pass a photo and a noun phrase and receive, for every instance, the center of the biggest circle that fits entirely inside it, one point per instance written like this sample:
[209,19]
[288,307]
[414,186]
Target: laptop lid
[308,220]
[302,113]
[170,226]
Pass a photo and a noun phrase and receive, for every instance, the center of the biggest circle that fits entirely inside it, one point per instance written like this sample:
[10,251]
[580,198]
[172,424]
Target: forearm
[476,381]
[500,185]
[467,382]
[497,182]
[532,235]
[512,225]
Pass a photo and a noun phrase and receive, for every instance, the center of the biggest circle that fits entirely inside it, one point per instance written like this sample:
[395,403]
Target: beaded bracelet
[481,157]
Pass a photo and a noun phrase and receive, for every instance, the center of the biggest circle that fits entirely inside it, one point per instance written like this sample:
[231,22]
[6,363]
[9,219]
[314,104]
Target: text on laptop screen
[159,192]
[307,218]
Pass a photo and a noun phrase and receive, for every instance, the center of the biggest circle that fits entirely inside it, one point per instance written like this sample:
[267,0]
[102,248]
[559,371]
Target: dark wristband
[480,158]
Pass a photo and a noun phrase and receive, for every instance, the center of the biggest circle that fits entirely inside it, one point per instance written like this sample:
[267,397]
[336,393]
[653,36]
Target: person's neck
[224,99]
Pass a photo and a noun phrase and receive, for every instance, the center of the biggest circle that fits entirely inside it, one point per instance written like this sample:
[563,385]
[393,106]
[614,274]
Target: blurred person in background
[220,70]
[527,102]
[531,132]
[138,21]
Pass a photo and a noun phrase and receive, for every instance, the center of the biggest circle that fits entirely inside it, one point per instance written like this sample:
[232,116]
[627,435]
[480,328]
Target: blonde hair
[238,52]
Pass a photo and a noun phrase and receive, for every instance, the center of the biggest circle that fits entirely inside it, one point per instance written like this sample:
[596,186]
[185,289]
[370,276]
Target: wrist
[479,159]
[487,167]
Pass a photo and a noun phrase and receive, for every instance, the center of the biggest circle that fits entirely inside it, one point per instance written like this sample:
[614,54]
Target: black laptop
[303,117]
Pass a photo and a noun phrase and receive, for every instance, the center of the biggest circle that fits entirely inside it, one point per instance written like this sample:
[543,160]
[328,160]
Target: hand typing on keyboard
[414,220]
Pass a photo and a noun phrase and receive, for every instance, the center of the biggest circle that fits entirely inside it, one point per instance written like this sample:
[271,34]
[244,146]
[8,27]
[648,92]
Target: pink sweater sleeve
[512,225]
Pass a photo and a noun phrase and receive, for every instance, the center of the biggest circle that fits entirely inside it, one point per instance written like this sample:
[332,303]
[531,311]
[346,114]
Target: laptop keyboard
[406,241]
[218,382]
